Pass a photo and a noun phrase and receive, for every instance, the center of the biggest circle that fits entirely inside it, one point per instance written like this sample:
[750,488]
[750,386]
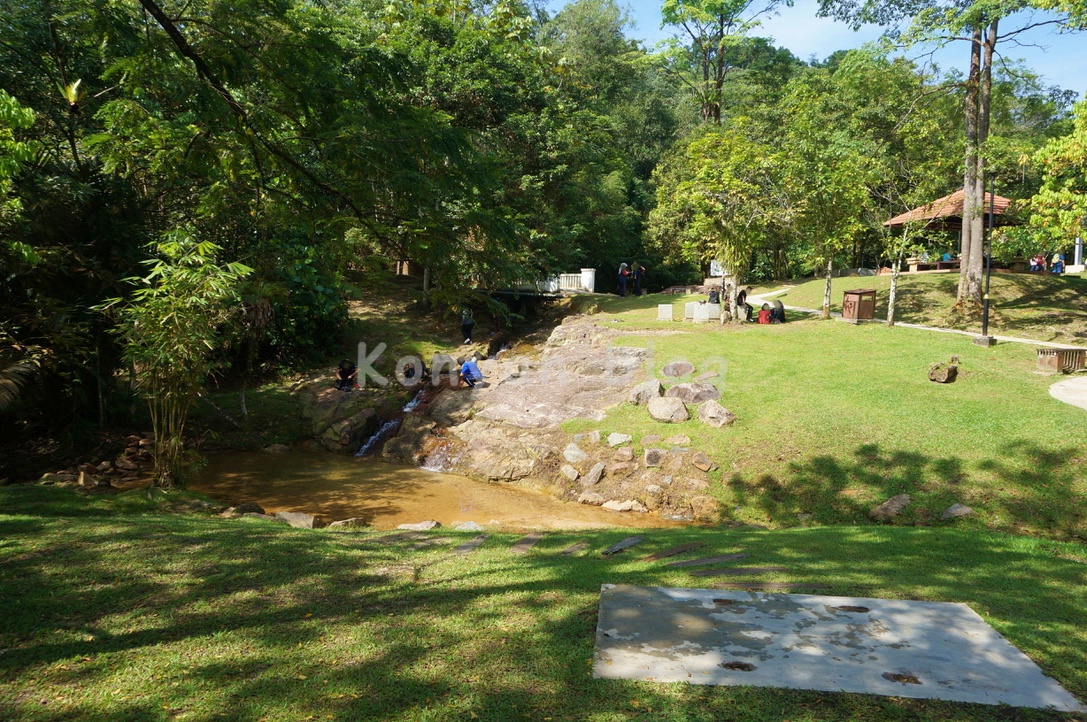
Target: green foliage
[170,328]
[1059,209]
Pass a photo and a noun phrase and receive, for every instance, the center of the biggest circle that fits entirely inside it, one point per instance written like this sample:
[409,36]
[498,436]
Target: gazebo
[945,214]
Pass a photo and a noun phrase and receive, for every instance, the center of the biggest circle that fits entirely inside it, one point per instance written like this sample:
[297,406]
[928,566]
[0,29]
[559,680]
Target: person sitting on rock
[742,305]
[469,372]
[764,314]
[715,295]
[346,376]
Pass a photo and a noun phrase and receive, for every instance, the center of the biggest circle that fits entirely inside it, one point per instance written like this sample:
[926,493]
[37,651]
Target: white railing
[570,282]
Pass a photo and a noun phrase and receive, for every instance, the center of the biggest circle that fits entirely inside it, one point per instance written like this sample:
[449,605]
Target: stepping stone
[431,542]
[390,538]
[471,544]
[769,585]
[574,548]
[625,544]
[735,571]
[707,560]
[527,543]
[673,551]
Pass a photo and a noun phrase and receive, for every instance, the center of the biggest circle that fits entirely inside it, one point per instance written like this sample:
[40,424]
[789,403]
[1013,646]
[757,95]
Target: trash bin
[859,305]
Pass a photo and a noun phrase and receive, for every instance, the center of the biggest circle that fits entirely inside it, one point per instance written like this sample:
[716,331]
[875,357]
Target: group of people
[772,312]
[468,373]
[633,275]
[1056,264]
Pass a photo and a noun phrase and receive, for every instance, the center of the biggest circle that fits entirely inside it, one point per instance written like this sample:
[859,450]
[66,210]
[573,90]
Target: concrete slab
[1071,391]
[897,648]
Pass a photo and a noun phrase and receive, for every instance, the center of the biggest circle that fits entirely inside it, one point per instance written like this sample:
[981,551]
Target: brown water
[385,495]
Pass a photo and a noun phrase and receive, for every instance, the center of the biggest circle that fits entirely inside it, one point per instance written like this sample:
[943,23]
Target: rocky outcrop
[511,428]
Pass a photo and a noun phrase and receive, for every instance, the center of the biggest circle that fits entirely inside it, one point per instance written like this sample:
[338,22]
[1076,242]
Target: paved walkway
[1071,390]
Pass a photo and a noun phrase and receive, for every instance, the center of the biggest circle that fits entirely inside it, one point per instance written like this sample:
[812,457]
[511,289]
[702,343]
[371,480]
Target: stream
[385,495]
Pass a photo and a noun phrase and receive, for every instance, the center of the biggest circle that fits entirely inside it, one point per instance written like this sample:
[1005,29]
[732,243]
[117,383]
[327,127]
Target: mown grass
[1038,306]
[834,418]
[116,609]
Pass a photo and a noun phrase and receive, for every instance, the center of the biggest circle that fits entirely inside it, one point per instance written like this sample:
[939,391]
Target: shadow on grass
[1031,488]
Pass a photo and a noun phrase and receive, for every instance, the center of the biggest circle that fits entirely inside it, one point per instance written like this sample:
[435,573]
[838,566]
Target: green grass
[835,418]
[1035,306]
[115,609]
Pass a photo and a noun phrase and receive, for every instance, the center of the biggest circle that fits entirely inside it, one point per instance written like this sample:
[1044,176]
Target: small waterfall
[390,427]
[439,458]
[383,433]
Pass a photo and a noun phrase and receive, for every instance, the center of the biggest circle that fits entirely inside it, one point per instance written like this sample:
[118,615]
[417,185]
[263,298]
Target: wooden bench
[1061,360]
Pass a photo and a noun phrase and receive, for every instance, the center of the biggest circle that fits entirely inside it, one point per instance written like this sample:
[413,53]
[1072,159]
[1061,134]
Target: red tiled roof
[946,212]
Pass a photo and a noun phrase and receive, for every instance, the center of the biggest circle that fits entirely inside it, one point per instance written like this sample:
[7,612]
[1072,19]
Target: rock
[589,437]
[354,522]
[591,497]
[594,475]
[468,526]
[277,448]
[943,373]
[104,467]
[704,508]
[714,414]
[653,457]
[300,520]
[618,439]
[956,511]
[694,393]
[703,462]
[667,479]
[574,454]
[249,507]
[650,439]
[891,508]
[678,368]
[266,517]
[420,525]
[696,484]
[570,472]
[86,480]
[620,469]
[669,410]
[126,465]
[49,479]
[624,454]
[678,440]
[645,391]
[653,489]
[628,505]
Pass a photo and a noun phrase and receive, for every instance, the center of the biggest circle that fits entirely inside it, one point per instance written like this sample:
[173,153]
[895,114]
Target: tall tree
[979,23]
[710,32]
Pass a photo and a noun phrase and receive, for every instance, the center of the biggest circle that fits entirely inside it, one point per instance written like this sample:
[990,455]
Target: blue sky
[1060,59]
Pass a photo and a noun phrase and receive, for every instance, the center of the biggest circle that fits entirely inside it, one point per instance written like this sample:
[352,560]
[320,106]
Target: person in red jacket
[764,314]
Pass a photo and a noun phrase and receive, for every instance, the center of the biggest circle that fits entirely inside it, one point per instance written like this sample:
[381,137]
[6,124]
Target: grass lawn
[116,609]
[1038,306]
[835,418]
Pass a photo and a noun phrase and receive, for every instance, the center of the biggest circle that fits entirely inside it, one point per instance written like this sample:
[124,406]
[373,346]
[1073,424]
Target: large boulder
[594,475]
[694,393]
[644,392]
[678,368]
[714,414]
[300,520]
[668,409]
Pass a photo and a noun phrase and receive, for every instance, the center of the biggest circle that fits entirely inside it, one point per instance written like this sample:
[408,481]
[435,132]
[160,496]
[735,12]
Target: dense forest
[190,183]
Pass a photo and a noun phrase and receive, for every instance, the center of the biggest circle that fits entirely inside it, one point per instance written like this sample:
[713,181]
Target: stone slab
[620,546]
[526,543]
[890,647]
[471,544]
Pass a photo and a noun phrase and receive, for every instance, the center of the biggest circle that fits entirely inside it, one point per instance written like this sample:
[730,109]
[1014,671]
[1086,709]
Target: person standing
[624,274]
[637,273]
[467,321]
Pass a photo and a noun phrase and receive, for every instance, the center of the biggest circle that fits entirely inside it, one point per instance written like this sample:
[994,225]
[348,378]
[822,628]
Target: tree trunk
[826,289]
[969,282]
[896,268]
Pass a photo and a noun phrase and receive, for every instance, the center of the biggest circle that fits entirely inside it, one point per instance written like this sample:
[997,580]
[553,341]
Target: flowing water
[384,495]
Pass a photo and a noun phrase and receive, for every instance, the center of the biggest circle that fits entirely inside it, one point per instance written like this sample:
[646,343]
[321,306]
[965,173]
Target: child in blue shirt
[469,371]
